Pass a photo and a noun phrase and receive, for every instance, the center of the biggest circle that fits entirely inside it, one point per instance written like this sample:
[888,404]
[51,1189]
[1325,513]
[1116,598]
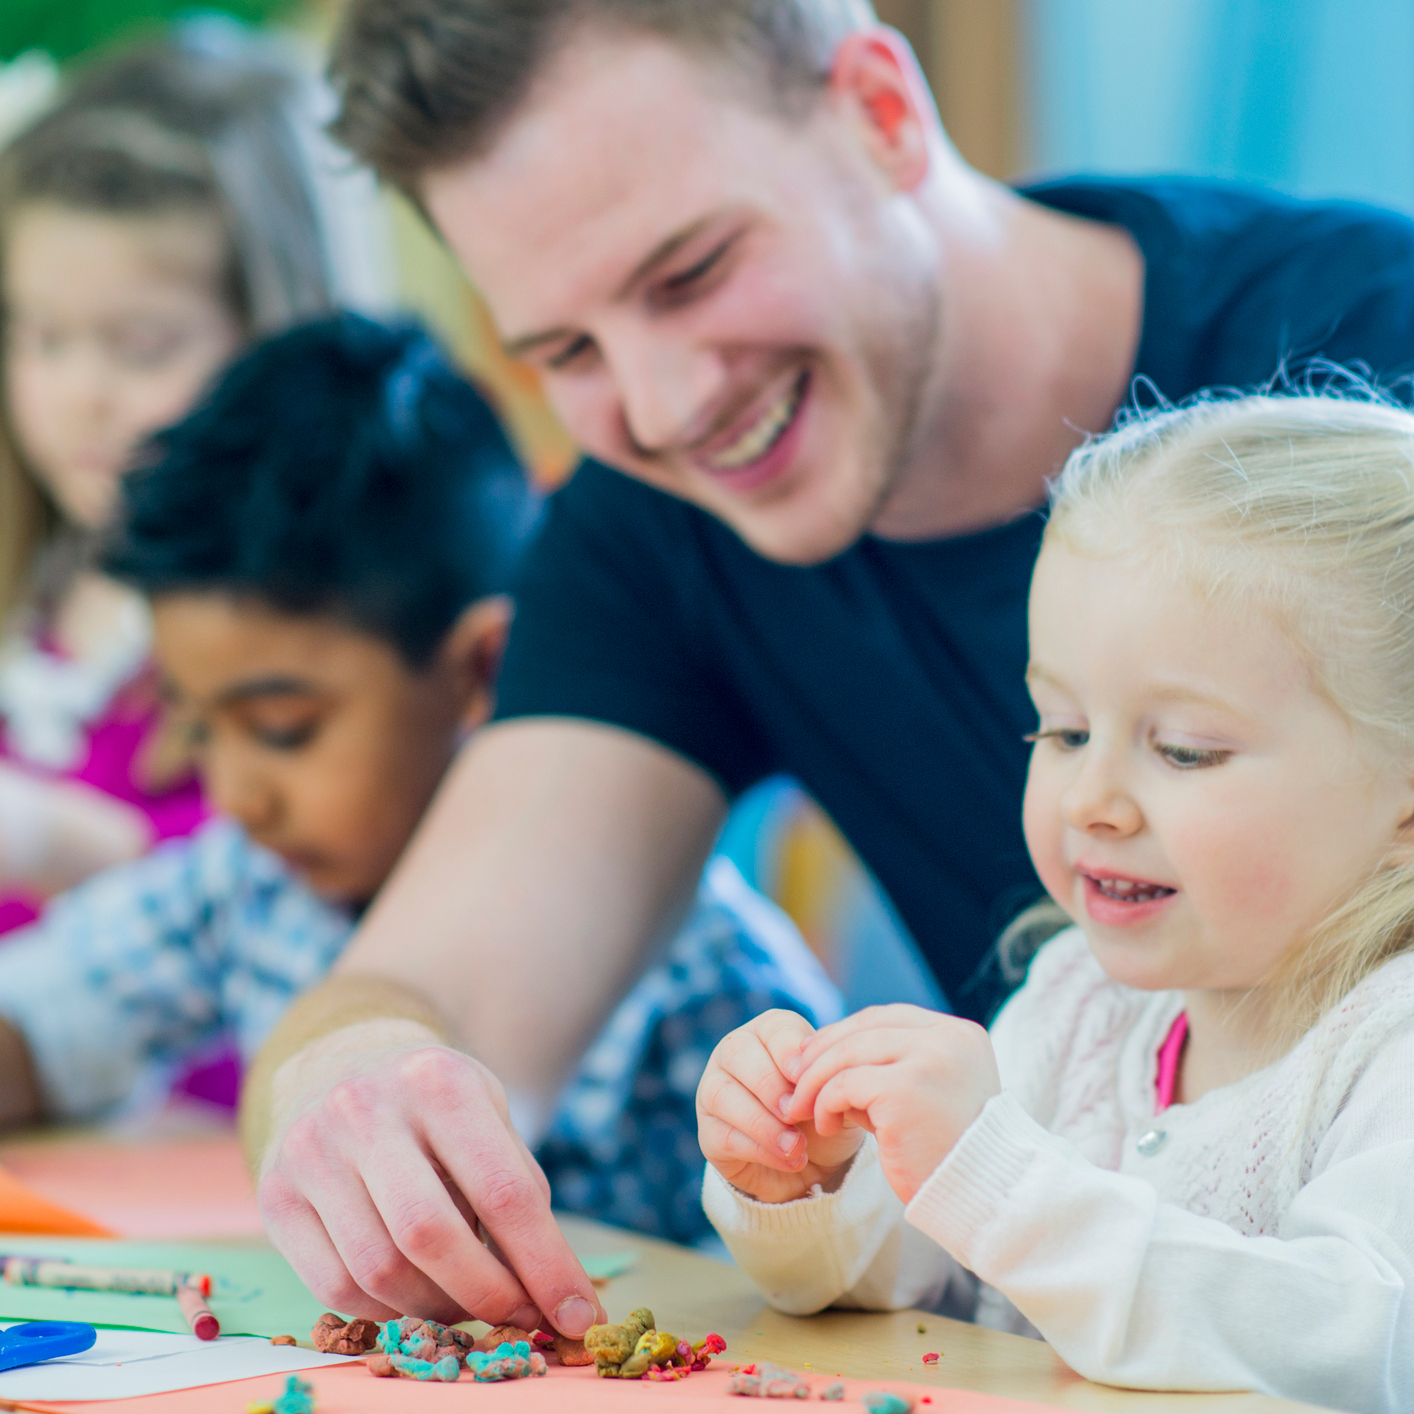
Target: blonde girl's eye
[1067,738]
[1190,758]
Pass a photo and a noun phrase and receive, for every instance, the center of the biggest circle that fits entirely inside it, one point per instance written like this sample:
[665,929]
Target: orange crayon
[204,1326]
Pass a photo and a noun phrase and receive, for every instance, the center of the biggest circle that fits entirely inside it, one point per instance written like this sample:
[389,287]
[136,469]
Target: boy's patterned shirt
[208,939]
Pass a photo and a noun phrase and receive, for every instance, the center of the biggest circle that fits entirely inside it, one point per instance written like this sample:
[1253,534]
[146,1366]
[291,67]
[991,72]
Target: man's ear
[876,74]
[472,652]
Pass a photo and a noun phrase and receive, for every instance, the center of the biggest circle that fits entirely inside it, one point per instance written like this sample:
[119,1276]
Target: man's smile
[753,452]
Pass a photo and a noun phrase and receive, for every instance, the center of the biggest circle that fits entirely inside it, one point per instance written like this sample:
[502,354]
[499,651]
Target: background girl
[154,220]
[1182,1153]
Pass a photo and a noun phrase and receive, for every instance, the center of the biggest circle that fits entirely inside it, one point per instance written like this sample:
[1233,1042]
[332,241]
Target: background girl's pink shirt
[114,743]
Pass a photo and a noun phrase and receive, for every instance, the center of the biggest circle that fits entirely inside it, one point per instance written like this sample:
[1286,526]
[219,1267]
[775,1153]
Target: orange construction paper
[186,1188]
[23,1210]
[352,1390]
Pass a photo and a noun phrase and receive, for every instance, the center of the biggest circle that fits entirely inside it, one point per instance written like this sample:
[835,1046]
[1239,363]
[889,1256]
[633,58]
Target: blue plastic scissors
[34,1341]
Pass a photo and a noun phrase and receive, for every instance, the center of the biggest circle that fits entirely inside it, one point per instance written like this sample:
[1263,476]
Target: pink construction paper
[172,1190]
[352,1390]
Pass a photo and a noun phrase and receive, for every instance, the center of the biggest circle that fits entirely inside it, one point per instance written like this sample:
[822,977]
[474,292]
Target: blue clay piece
[298,1398]
[882,1402]
[446,1369]
[506,1362]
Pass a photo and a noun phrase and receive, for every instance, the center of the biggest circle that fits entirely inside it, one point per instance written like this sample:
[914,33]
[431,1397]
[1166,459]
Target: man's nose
[666,389]
[1098,800]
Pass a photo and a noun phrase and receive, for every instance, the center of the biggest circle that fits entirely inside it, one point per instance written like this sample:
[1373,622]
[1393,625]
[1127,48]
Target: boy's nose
[245,797]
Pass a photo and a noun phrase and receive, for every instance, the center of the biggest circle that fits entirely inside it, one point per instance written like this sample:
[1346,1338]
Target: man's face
[735,307]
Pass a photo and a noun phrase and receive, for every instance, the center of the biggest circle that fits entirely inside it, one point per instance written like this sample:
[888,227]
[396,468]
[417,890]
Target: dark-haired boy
[326,543]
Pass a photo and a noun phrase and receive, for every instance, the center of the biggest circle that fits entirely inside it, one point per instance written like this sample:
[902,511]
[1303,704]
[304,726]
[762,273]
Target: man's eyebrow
[274,686]
[522,344]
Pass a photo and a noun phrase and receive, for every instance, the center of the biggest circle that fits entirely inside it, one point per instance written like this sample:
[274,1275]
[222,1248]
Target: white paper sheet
[124,1364]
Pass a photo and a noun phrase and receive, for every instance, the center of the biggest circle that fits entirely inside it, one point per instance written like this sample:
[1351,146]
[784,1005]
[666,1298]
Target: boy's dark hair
[425,83]
[343,468]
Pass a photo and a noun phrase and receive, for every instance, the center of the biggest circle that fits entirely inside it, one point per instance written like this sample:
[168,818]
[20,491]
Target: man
[837,367]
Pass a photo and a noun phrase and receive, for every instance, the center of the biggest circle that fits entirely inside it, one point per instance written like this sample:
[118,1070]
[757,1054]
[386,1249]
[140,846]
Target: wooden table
[692,1294]
[123,1181]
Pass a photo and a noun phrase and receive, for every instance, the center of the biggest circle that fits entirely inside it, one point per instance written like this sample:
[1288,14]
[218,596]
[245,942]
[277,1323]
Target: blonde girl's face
[1194,802]
[113,326]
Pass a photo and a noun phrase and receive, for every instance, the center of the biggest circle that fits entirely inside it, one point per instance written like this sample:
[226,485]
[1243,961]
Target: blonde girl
[150,223]
[1182,1153]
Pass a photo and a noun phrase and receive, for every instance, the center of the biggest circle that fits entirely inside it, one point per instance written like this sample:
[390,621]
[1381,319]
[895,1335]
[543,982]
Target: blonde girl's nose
[1097,802]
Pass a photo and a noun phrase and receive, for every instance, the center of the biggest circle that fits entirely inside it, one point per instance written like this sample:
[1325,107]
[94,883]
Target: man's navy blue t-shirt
[889,680]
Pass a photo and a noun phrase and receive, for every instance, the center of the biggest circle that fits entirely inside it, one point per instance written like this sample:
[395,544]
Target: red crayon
[204,1326]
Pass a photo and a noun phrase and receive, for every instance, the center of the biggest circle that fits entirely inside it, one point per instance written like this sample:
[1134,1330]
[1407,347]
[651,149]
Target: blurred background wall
[1310,96]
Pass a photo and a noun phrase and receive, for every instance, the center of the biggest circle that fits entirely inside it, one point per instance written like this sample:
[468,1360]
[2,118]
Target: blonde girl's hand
[739,1123]
[915,1078]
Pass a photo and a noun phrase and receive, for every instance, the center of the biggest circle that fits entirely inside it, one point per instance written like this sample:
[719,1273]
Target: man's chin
[792,535]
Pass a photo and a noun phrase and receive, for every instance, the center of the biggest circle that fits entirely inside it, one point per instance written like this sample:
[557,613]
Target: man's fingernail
[787,1141]
[785,1101]
[574,1316]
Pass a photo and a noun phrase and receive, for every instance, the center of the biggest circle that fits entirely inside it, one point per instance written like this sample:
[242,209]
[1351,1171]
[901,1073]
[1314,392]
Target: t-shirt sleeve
[605,628]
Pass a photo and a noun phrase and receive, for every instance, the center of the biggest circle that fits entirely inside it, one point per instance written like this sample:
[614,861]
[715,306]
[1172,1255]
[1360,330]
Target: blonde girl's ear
[472,653]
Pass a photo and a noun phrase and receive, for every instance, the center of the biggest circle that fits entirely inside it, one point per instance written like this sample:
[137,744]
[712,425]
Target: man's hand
[739,1114]
[375,1184]
[916,1078]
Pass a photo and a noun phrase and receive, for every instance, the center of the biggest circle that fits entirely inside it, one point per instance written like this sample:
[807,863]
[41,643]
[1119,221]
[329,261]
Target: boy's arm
[113,976]
[555,856]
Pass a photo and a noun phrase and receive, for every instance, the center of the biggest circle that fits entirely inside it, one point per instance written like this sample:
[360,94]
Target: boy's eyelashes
[290,738]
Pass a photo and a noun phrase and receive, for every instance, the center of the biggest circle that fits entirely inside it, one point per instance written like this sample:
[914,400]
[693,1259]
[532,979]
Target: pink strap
[1169,1055]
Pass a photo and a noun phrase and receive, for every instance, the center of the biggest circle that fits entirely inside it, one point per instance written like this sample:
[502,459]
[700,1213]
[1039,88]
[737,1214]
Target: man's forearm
[353,1012]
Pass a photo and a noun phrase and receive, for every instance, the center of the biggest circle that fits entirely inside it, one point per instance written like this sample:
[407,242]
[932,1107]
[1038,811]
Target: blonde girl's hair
[171,126]
[1302,506]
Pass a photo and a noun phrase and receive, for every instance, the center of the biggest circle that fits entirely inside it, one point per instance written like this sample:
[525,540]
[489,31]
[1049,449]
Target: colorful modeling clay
[768,1382]
[882,1402]
[283,1340]
[932,1358]
[334,1336]
[834,1392]
[638,1350]
[298,1398]
[424,1340]
[503,1335]
[612,1345]
[448,1369]
[507,1362]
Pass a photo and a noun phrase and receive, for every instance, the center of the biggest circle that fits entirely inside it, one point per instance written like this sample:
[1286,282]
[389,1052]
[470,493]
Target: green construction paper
[254,1291]
[604,1266]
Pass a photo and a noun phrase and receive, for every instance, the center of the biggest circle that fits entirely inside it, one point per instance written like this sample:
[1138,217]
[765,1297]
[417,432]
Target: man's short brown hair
[425,83]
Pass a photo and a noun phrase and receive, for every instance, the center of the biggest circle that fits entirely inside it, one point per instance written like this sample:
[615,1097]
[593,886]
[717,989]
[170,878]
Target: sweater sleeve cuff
[857,1201]
[973,1184]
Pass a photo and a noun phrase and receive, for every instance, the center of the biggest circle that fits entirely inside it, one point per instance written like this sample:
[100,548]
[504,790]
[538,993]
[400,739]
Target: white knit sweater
[1265,1242]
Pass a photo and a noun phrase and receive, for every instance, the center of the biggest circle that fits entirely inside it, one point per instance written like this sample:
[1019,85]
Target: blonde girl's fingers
[722,1097]
[874,1047]
[747,1056]
[725,1146]
[896,1016]
[846,1098]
